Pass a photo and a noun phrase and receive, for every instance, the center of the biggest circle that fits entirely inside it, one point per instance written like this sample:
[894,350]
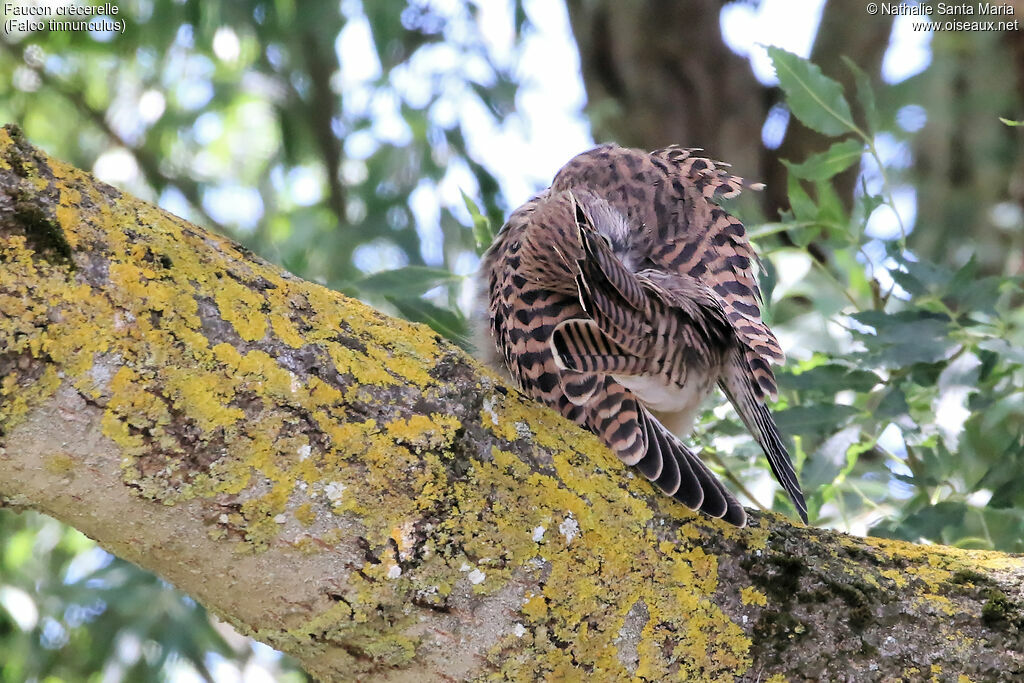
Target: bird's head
[619,231]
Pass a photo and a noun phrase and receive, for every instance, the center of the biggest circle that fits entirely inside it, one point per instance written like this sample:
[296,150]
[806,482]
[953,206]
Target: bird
[621,296]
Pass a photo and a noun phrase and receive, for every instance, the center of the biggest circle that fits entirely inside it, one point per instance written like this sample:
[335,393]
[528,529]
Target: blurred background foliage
[370,145]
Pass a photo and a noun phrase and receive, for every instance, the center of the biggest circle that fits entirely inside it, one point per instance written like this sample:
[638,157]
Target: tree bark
[357,492]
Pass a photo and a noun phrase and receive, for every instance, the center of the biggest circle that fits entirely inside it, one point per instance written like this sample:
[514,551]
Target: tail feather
[695,486]
[778,457]
[660,446]
[738,387]
[714,503]
[652,462]
[671,478]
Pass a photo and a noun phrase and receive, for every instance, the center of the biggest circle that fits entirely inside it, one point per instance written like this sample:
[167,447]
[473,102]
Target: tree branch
[357,492]
[321,64]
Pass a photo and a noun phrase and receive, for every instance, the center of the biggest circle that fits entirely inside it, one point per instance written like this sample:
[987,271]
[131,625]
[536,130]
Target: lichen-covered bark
[357,492]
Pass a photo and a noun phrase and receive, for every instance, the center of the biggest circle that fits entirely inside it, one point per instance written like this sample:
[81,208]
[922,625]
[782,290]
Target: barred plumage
[620,297]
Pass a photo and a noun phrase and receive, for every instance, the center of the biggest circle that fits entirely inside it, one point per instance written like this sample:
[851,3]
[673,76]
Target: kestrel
[621,295]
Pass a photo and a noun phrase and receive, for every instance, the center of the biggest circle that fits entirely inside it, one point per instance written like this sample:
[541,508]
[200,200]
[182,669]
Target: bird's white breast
[676,406]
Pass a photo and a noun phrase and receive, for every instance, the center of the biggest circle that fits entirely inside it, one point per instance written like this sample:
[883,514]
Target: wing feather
[671,192]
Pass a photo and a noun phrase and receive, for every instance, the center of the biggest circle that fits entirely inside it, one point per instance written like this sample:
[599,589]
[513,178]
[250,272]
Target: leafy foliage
[908,416]
[839,157]
[813,98]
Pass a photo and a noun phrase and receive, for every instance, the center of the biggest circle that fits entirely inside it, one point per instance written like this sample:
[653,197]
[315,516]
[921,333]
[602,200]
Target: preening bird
[621,295]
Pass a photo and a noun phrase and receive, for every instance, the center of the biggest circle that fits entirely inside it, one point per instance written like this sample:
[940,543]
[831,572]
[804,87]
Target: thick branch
[357,492]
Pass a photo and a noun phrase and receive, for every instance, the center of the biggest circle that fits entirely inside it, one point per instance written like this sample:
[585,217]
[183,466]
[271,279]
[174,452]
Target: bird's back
[670,193]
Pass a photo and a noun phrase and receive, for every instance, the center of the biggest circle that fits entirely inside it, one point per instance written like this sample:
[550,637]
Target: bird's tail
[640,440]
[681,474]
[737,385]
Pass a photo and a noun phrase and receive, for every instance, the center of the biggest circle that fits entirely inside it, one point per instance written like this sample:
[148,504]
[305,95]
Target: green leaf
[1004,527]
[908,282]
[922,278]
[865,95]
[813,97]
[1011,123]
[804,208]
[483,234]
[933,277]
[829,379]
[979,296]
[814,419]
[405,282]
[927,523]
[1003,348]
[967,274]
[839,157]
[830,207]
[892,405]
[904,338]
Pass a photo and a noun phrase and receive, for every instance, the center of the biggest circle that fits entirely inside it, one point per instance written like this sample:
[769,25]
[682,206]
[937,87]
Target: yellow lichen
[582,541]
[349,362]
[896,576]
[241,307]
[203,397]
[433,431]
[286,332]
[751,596]
[67,213]
[943,603]
[304,513]
[60,464]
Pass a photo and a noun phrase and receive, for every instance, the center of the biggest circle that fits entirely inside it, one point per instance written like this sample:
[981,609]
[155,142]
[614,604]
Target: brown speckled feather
[623,293]
[668,192]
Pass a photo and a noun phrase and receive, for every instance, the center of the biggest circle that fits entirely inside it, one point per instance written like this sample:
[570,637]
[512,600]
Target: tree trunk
[658,73]
[357,492]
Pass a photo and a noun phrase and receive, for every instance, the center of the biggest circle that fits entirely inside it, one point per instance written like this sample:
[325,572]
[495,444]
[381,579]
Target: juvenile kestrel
[621,295]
